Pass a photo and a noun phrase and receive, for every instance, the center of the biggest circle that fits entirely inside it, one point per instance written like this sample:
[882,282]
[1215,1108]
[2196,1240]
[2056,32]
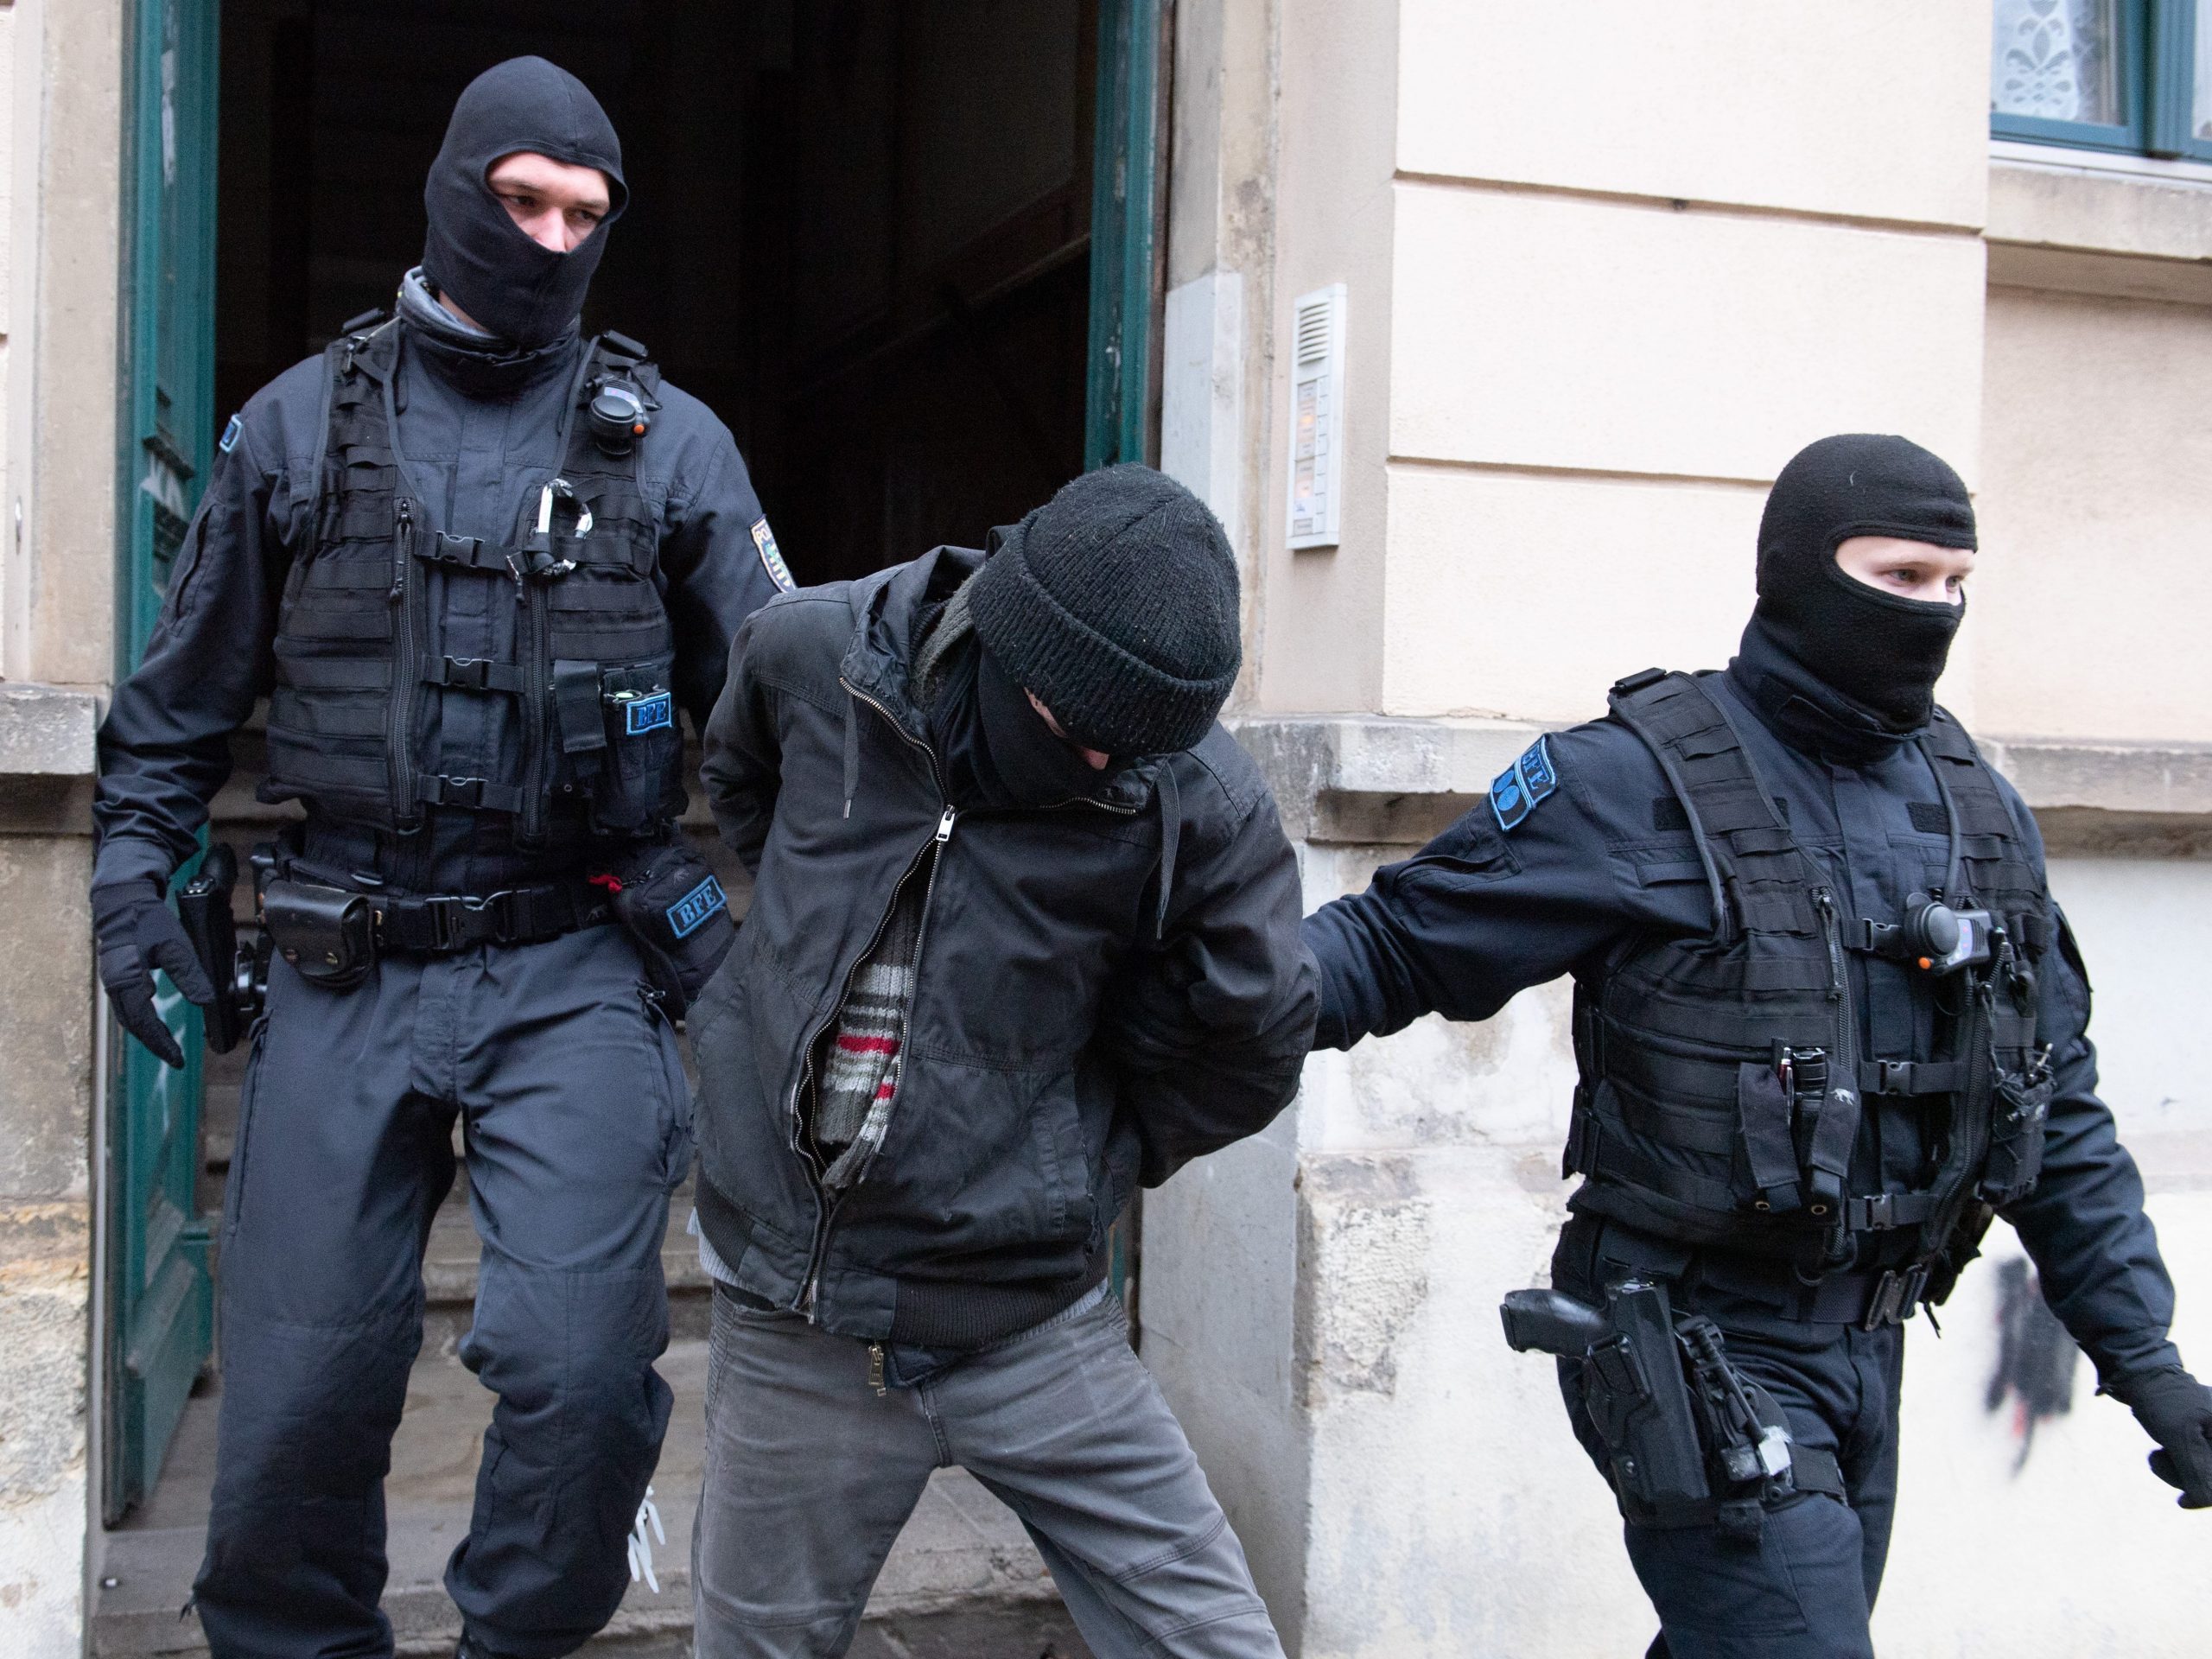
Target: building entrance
[906,249]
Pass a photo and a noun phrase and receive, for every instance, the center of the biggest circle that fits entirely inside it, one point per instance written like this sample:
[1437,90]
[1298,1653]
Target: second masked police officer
[1829,1023]
[476,562]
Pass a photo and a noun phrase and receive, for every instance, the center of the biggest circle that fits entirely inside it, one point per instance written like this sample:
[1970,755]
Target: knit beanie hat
[1114,603]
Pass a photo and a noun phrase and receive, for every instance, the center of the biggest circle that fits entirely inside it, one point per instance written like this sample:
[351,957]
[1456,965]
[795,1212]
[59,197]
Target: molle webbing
[352,658]
[1722,1084]
[1762,882]
[1995,872]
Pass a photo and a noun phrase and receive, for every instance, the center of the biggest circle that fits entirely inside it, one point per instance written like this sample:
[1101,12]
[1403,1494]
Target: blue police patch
[688,914]
[653,713]
[229,440]
[771,561]
[1522,787]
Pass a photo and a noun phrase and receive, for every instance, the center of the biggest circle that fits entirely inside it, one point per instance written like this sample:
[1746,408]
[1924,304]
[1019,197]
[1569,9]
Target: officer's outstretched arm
[1520,891]
[164,748]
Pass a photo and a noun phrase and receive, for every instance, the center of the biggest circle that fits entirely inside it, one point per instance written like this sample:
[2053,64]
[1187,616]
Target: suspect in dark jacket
[1024,935]
[1829,1025]
[476,612]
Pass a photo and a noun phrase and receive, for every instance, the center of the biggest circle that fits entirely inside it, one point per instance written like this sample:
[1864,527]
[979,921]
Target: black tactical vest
[593,651]
[1722,1083]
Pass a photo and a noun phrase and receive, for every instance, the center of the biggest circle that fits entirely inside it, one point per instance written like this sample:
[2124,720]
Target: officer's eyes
[584,217]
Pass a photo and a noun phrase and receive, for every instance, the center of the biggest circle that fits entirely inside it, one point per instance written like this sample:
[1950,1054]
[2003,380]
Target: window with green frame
[2133,75]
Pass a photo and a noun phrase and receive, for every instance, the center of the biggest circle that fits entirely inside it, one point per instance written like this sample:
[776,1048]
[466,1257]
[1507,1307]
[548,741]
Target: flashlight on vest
[618,416]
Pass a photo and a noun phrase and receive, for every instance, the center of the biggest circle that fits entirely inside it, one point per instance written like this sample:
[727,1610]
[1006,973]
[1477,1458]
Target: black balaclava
[1865,661]
[526,294]
[1034,766]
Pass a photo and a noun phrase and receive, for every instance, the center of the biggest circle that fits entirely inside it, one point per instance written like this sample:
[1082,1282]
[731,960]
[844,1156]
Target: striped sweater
[858,1073]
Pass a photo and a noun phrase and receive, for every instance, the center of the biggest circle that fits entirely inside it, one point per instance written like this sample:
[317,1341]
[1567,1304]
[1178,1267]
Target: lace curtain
[2060,59]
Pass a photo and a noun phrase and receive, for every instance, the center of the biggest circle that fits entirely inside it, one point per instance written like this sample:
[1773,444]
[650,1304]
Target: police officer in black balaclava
[477,563]
[1829,1024]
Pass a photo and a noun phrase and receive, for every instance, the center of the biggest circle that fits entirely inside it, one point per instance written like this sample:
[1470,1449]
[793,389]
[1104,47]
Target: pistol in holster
[1690,1442]
[238,970]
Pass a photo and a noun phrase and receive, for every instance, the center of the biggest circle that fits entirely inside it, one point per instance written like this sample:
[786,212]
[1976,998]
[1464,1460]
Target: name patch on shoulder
[771,561]
[1522,787]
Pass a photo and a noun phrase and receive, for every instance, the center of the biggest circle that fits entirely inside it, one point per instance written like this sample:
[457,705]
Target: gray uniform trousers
[577,1122]
[810,1472]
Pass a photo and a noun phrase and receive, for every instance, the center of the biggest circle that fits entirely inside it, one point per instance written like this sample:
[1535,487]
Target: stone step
[964,1579]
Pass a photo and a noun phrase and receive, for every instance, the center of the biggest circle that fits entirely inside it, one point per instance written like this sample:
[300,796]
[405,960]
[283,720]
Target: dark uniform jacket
[477,434]
[1065,1039]
[1484,911]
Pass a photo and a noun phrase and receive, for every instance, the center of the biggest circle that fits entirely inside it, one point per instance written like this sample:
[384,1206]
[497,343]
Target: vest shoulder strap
[367,346]
[1762,882]
[1989,851]
[617,354]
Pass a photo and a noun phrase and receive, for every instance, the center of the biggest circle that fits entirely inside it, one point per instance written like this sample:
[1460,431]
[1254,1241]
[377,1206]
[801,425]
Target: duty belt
[435,924]
[1869,1298]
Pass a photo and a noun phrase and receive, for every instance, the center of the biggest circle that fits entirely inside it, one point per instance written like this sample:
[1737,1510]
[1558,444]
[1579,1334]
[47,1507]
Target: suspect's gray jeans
[810,1472]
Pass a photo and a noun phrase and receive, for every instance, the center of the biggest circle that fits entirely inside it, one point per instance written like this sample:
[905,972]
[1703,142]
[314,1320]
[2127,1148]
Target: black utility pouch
[2020,1108]
[327,934]
[676,910]
[620,737]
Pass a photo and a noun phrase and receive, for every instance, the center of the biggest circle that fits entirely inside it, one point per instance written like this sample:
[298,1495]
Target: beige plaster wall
[1726,233]
[1826,109]
[70,506]
[1336,78]
[60,86]
[2096,518]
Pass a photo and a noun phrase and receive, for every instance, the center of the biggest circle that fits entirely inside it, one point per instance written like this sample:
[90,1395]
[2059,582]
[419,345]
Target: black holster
[238,973]
[1690,1442]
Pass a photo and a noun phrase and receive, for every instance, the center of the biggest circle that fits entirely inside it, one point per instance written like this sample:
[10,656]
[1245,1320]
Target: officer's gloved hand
[2176,1411]
[136,932]
[675,909]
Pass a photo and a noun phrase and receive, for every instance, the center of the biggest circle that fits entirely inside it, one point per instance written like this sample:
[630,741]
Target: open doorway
[860,230]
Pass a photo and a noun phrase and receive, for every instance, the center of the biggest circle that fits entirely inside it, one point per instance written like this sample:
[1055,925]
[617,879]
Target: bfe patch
[1522,786]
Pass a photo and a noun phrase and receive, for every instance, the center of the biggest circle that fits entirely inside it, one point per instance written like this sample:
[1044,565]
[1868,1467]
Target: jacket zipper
[935,845]
[400,732]
[827,1208]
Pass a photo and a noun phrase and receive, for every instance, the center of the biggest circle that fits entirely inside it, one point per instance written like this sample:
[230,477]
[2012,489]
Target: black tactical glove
[2176,1411]
[675,909]
[136,932]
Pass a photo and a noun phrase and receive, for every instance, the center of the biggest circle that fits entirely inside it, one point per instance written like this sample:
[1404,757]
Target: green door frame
[1128,233]
[160,1294]
[1128,262]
